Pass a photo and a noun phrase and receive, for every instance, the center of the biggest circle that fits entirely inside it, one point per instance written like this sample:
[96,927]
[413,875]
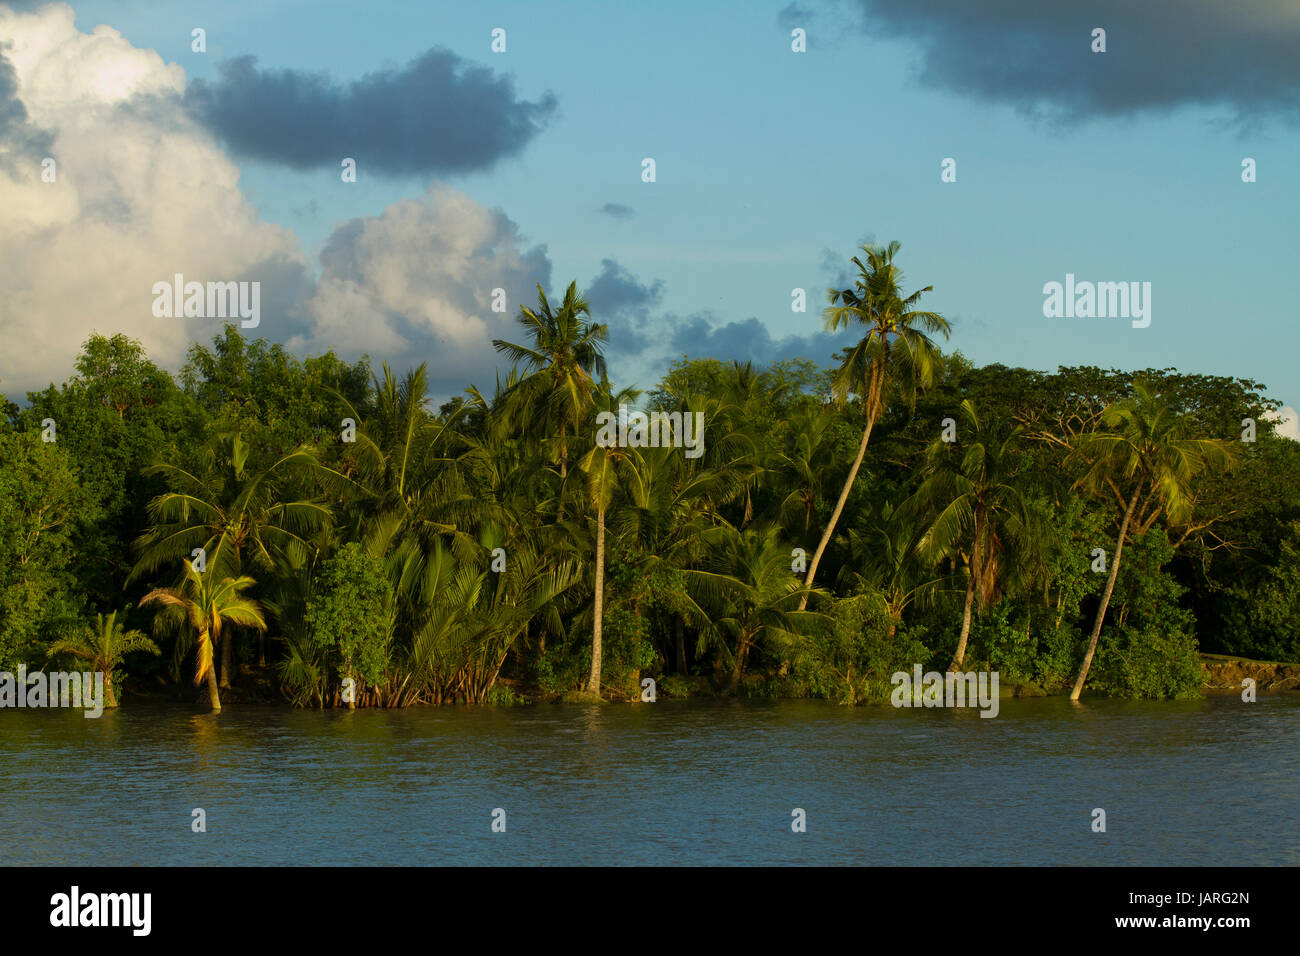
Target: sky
[479,170]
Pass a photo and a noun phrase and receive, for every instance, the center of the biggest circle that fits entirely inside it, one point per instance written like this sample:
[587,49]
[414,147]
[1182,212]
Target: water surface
[1213,781]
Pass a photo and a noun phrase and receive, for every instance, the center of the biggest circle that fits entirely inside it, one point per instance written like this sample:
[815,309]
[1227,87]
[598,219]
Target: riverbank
[1222,675]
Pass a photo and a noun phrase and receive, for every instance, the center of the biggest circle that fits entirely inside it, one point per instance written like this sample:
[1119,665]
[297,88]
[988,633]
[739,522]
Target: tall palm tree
[982,510]
[566,352]
[104,646]
[603,467]
[1142,457]
[895,356]
[206,605]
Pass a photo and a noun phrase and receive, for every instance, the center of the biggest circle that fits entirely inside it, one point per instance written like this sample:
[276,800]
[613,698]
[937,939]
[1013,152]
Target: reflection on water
[1211,781]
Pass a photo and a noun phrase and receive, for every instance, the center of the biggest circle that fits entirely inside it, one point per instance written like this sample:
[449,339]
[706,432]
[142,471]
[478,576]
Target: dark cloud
[1161,54]
[794,15]
[749,340]
[436,114]
[624,304]
[836,267]
[18,138]
[616,210]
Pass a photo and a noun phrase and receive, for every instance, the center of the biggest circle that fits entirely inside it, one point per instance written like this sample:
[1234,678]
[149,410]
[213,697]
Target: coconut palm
[885,563]
[746,592]
[1142,458]
[567,357]
[232,513]
[207,604]
[604,468]
[104,646]
[981,507]
[895,357]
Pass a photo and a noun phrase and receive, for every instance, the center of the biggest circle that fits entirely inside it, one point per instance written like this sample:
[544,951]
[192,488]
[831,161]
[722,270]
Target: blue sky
[772,164]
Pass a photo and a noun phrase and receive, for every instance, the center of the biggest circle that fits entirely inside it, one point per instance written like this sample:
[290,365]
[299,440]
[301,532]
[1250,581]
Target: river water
[1212,781]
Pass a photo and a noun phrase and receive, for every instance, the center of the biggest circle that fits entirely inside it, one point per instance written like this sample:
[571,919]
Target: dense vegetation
[319,525]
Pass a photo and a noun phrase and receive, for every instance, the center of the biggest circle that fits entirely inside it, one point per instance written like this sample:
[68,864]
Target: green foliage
[350,614]
[1151,651]
[373,557]
[43,511]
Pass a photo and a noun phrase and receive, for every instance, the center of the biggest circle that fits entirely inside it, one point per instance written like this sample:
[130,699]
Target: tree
[601,468]
[895,356]
[45,512]
[206,605]
[104,646]
[227,509]
[352,614]
[747,591]
[981,509]
[565,352]
[1141,456]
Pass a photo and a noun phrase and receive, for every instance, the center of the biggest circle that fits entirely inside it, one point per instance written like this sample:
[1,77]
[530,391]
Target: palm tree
[207,604]
[231,511]
[746,592]
[602,468]
[892,570]
[1142,457]
[982,510]
[567,352]
[104,646]
[896,355]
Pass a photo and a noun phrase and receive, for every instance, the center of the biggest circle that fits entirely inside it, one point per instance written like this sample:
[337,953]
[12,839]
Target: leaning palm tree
[206,605]
[895,357]
[982,509]
[1143,458]
[104,646]
[566,352]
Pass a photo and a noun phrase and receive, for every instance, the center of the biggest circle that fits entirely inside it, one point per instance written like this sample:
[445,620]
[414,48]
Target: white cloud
[1288,422]
[141,194]
[144,193]
[417,280]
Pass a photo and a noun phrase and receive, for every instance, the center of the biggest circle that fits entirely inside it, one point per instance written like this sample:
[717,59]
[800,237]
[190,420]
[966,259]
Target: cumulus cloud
[1160,54]
[699,336]
[435,115]
[416,282]
[141,194]
[626,305]
[144,192]
[644,339]
[1287,422]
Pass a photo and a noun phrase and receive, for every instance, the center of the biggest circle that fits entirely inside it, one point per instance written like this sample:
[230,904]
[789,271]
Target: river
[1211,781]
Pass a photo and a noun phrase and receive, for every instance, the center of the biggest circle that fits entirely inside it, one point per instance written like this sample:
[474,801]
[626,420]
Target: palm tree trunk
[739,667]
[225,659]
[261,650]
[110,699]
[213,697]
[593,685]
[1105,599]
[960,655]
[835,515]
